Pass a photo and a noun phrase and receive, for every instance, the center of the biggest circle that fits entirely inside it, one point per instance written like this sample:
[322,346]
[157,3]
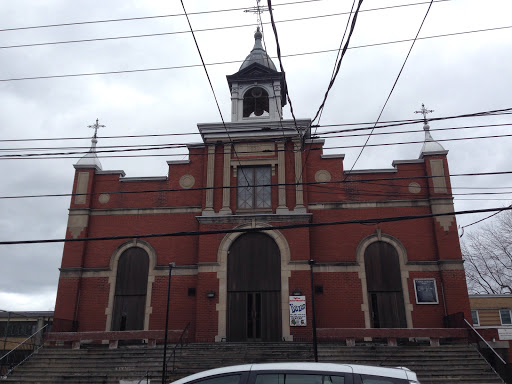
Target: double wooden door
[131,288]
[384,285]
[254,289]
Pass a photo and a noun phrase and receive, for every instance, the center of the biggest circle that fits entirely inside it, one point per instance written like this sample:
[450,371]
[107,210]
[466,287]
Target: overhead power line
[191,13]
[240,61]
[312,183]
[266,228]
[394,85]
[68,155]
[389,123]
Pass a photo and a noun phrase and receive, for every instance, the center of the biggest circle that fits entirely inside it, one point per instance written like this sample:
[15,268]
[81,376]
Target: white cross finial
[95,127]
[258,10]
[424,112]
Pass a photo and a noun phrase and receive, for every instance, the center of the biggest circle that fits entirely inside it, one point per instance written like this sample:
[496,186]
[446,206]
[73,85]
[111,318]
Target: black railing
[21,352]
[182,340]
[496,361]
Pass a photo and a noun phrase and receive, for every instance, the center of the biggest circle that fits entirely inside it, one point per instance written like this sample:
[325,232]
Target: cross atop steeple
[95,127]
[258,10]
[424,112]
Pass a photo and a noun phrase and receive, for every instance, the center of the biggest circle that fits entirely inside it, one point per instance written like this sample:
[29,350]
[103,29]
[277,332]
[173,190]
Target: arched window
[256,102]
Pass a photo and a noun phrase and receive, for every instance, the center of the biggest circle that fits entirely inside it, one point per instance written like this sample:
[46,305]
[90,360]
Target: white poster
[298,311]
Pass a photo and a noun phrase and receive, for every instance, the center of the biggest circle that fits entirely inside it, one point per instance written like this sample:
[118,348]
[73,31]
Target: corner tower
[257,88]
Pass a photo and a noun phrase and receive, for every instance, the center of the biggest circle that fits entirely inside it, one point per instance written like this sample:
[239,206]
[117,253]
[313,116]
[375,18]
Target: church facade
[244,218]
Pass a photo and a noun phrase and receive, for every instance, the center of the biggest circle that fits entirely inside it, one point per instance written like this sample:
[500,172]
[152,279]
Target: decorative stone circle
[414,187]
[104,198]
[322,176]
[187,181]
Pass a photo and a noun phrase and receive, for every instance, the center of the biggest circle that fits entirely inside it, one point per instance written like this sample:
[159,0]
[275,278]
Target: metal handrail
[180,343]
[173,354]
[486,343]
[23,342]
[19,345]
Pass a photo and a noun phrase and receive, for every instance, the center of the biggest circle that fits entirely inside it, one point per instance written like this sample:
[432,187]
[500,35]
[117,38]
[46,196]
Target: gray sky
[453,75]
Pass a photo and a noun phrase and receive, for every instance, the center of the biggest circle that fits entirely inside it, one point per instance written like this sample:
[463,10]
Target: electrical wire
[278,47]
[256,229]
[150,17]
[344,181]
[67,155]
[240,61]
[325,135]
[389,123]
[394,85]
[338,65]
[211,87]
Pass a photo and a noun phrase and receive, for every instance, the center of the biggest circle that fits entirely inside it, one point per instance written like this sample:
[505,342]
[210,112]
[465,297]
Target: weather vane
[95,127]
[424,112]
[258,10]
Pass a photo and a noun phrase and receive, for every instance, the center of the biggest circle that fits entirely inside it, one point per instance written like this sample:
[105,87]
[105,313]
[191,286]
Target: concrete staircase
[435,365]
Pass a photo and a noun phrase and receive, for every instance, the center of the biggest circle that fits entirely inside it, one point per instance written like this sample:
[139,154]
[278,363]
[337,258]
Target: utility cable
[240,61]
[389,123]
[211,87]
[344,181]
[67,155]
[325,135]
[278,47]
[394,84]
[153,17]
[256,229]
[344,50]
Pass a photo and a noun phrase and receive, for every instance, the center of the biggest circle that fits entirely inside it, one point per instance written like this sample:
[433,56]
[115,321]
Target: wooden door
[131,287]
[254,289]
[384,284]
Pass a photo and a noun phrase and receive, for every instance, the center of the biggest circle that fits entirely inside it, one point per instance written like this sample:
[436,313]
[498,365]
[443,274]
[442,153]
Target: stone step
[445,364]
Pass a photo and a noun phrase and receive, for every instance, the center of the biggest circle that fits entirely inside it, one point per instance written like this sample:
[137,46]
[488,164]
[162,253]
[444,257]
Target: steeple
[258,54]
[430,146]
[257,87]
[90,160]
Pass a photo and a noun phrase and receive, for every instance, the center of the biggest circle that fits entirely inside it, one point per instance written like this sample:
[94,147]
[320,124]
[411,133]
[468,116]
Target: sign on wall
[426,291]
[505,333]
[298,311]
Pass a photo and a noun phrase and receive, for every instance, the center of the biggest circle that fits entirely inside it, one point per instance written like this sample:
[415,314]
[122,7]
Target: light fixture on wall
[210,294]
[297,292]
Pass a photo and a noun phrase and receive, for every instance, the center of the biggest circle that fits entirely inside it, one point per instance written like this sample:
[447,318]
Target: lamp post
[315,349]
[164,365]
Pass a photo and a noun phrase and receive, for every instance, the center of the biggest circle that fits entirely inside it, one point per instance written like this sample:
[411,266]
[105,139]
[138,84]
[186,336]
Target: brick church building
[261,187]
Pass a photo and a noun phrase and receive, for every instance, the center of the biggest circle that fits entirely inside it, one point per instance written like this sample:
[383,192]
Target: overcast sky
[452,75]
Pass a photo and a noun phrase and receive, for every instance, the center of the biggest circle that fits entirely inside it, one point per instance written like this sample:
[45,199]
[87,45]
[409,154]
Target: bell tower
[257,89]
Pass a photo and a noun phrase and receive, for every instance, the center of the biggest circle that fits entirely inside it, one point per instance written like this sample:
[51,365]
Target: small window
[474,317]
[283,378]
[505,317]
[226,379]
[254,190]
[367,379]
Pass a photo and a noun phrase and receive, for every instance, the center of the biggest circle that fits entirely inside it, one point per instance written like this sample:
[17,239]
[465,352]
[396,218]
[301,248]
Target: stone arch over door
[112,279]
[404,274]
[222,257]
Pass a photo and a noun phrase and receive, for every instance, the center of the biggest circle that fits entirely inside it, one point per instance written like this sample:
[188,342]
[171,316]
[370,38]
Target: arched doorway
[254,289]
[384,286]
[131,290]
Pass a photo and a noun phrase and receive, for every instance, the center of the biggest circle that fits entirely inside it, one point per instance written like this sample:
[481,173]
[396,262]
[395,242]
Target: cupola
[257,89]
